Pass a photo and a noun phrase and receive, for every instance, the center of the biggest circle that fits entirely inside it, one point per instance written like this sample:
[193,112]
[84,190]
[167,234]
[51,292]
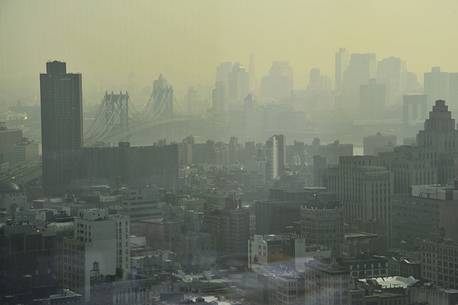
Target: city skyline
[184,41]
[217,152]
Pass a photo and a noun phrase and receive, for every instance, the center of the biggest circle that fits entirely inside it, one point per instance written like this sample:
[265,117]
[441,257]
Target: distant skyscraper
[61,124]
[391,72]
[219,98]
[341,63]
[278,84]
[414,109]
[360,70]
[252,74]
[453,91]
[238,84]
[436,85]
[276,158]
[372,98]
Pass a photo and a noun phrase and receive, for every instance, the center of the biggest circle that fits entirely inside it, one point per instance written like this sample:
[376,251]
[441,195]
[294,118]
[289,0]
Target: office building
[341,63]
[229,229]
[273,248]
[429,211]
[133,165]
[330,152]
[326,282]
[322,224]
[373,145]
[436,85]
[438,262]
[364,188]
[278,83]
[391,72]
[61,125]
[280,284]
[414,109]
[361,68]
[372,99]
[238,84]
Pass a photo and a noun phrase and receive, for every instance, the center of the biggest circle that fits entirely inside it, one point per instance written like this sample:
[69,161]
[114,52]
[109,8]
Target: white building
[276,156]
[100,248]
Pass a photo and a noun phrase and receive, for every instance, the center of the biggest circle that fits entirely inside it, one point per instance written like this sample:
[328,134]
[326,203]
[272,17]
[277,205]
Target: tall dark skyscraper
[61,124]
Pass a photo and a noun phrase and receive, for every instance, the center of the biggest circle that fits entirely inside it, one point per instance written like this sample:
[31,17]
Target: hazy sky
[126,44]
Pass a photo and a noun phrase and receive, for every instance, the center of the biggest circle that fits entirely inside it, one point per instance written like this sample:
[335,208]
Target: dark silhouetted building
[61,124]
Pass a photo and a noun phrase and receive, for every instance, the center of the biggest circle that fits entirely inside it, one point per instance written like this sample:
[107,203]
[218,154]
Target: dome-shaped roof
[9,187]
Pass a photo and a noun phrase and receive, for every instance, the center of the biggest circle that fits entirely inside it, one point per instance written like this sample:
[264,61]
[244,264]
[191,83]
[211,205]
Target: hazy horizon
[121,45]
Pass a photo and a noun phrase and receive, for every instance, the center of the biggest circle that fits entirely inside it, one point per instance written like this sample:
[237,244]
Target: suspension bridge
[116,119]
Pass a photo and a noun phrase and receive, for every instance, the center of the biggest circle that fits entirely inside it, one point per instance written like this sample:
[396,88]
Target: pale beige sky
[118,44]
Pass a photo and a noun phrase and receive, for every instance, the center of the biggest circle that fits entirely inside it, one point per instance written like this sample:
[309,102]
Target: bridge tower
[116,112]
[111,122]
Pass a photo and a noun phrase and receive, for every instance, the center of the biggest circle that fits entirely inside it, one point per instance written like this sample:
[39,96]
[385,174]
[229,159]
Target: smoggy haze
[126,44]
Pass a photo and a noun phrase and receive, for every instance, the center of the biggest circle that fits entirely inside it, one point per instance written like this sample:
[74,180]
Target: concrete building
[326,283]
[373,145]
[366,266]
[280,284]
[429,211]
[365,190]
[61,125]
[269,249]
[281,213]
[141,203]
[430,294]
[133,165]
[331,152]
[322,224]
[100,248]
[28,263]
[438,262]
[230,230]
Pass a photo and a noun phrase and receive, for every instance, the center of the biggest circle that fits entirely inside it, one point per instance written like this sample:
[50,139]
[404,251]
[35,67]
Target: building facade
[61,124]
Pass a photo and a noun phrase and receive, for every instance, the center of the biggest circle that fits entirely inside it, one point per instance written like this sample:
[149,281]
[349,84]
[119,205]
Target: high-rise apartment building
[61,124]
